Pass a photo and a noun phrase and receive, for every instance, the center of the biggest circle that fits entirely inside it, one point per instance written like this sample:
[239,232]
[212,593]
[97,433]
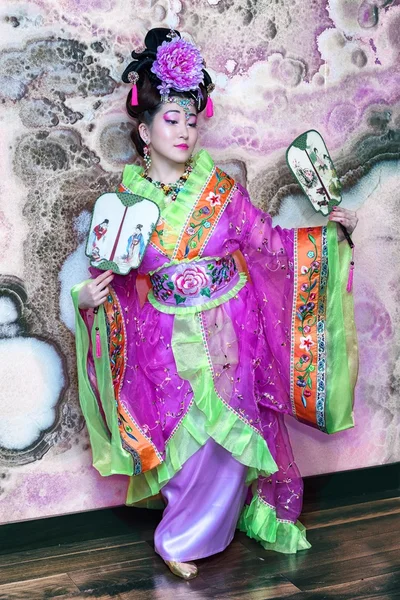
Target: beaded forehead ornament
[188,104]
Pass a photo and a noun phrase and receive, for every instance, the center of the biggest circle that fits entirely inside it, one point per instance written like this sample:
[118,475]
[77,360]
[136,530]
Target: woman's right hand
[95,292]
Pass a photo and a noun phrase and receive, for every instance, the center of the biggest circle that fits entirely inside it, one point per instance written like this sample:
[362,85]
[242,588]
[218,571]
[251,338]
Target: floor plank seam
[369,517]
[67,554]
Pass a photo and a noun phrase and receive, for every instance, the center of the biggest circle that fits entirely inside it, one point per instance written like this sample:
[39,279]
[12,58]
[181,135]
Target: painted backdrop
[280,68]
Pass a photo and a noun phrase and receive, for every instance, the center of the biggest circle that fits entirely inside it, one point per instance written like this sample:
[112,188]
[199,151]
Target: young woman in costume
[189,391]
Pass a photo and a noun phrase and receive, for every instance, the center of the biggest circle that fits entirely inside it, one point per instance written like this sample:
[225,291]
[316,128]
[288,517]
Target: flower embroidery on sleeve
[213,199]
[307,317]
[306,342]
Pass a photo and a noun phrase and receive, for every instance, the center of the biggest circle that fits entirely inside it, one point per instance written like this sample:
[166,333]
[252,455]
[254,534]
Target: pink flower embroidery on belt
[191,281]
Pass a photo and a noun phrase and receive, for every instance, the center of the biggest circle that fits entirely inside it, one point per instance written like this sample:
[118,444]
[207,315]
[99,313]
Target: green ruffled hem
[236,436]
[190,310]
[258,520]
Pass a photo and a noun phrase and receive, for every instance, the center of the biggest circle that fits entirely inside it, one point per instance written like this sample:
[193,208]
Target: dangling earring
[147,159]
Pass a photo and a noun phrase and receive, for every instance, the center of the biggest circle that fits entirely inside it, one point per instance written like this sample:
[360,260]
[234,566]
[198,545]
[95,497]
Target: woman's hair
[148,96]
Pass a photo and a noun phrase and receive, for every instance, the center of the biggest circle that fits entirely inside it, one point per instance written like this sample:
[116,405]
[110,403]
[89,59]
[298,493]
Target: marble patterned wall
[280,68]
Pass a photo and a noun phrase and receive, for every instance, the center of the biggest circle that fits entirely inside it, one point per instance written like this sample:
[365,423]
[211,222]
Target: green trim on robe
[258,521]
[109,457]
[341,341]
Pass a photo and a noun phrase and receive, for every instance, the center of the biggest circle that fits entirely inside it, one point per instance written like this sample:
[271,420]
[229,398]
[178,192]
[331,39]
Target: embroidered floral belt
[195,285]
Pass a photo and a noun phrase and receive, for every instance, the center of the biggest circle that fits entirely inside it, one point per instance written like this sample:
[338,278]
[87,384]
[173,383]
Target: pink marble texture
[280,69]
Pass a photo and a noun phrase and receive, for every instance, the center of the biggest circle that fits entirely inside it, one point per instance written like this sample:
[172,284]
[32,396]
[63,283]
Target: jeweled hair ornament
[133,77]
[172,65]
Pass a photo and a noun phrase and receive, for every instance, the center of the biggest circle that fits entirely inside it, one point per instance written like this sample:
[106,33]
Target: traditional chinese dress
[187,393]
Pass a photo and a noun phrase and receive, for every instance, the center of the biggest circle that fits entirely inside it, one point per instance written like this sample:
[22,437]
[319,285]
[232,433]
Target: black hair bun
[144,60]
[155,37]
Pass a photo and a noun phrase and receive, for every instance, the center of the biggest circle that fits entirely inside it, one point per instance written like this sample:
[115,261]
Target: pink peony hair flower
[178,65]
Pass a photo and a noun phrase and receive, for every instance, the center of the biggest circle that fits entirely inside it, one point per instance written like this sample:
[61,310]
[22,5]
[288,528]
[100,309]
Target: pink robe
[218,353]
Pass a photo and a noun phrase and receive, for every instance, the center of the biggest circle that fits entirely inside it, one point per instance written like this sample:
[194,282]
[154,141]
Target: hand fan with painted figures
[121,228]
[309,160]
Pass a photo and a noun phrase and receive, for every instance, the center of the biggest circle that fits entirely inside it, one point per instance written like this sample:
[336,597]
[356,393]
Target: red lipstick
[182,146]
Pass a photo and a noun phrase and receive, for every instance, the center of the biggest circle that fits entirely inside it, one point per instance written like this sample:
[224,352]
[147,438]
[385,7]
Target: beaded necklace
[171,190]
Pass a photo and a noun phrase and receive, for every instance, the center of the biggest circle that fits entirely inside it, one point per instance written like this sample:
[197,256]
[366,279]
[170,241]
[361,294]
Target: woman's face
[173,133]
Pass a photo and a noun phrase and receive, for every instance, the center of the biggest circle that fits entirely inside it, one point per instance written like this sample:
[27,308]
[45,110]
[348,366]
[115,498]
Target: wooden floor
[109,555]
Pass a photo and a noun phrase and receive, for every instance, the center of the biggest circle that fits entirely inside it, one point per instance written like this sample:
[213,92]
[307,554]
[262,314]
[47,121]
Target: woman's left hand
[346,217]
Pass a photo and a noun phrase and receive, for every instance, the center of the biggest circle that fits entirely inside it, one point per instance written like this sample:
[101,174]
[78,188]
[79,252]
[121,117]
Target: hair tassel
[133,78]
[134,97]
[349,285]
[210,105]
[98,343]
[209,108]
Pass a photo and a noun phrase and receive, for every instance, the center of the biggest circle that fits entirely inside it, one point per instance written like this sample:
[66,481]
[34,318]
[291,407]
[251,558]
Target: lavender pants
[204,500]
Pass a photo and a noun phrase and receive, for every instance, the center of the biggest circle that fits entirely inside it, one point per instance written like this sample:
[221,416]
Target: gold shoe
[181,569]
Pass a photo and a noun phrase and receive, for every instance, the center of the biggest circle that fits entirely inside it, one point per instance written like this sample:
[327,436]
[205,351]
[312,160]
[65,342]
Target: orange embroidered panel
[133,441]
[164,237]
[308,360]
[199,224]
[205,215]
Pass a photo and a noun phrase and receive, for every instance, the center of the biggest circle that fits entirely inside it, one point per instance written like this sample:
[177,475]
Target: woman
[188,392]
